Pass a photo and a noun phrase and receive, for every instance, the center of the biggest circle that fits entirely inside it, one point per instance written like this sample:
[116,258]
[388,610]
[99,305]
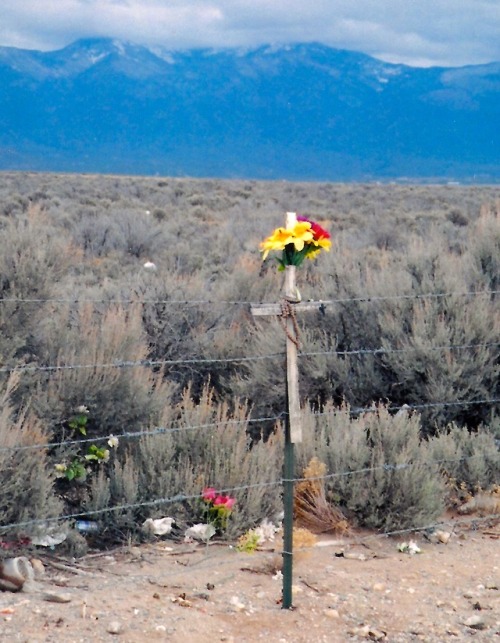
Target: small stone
[161,628]
[38,567]
[114,627]
[57,597]
[475,622]
[378,587]
[331,613]
[236,604]
[352,555]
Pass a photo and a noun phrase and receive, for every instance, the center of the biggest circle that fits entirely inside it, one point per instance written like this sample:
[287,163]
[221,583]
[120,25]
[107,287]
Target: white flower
[113,441]
[82,409]
[105,455]
[149,265]
[60,470]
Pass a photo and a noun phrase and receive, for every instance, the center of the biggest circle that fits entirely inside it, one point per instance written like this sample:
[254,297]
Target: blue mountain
[302,111]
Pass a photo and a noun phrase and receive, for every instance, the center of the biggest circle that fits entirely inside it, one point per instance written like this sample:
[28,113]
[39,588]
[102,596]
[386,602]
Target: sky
[420,33]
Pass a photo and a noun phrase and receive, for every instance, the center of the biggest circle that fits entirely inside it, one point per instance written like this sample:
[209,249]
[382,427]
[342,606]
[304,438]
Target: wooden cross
[293,429]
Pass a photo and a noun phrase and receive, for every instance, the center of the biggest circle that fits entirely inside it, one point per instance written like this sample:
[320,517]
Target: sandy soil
[350,589]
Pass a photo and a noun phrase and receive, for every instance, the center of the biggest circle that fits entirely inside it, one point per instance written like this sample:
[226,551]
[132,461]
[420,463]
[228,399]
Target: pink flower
[224,501]
[209,494]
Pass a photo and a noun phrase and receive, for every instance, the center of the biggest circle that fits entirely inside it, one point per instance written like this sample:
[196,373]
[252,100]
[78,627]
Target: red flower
[318,231]
[209,494]
[224,501]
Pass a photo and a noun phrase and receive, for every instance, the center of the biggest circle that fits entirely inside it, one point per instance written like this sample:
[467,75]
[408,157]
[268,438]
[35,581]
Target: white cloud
[443,32]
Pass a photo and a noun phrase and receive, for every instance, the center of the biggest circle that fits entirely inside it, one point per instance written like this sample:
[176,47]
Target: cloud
[442,32]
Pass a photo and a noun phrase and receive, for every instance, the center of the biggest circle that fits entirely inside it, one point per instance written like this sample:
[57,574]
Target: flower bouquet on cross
[305,238]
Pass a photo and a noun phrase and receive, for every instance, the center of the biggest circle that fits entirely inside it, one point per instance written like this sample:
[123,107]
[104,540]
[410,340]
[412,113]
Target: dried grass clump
[310,505]
[26,478]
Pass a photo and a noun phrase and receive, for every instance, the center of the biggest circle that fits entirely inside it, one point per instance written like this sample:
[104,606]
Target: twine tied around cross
[287,311]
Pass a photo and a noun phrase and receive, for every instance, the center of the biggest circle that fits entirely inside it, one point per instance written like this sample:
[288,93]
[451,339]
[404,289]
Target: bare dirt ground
[350,589]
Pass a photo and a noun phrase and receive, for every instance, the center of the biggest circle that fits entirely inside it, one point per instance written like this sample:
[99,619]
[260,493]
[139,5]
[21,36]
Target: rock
[475,622]
[351,555]
[329,612]
[38,567]
[237,604]
[114,627]
[439,536]
[378,587]
[57,597]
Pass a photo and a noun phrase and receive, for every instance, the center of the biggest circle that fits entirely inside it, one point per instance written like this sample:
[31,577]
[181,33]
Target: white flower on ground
[149,265]
[82,409]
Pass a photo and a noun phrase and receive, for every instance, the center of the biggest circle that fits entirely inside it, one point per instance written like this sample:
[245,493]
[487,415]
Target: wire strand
[213,302]
[239,360]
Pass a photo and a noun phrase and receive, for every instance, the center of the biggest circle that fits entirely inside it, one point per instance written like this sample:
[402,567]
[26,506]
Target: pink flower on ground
[209,494]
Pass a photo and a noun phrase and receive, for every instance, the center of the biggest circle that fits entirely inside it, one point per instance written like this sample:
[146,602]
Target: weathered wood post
[293,429]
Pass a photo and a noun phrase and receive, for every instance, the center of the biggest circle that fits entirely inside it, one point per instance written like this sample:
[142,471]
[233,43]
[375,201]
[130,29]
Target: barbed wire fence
[164,502]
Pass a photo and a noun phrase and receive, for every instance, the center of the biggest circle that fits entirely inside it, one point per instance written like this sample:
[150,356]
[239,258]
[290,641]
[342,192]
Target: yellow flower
[299,235]
[324,243]
[277,241]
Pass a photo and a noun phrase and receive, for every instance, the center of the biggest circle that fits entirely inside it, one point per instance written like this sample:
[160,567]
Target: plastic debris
[50,538]
[14,572]
[158,526]
[199,532]
[86,526]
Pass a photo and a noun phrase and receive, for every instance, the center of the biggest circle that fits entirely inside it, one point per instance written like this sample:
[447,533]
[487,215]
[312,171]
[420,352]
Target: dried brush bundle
[311,508]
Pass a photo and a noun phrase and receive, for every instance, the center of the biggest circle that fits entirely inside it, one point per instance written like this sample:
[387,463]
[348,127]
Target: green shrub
[381,471]
[471,460]
[184,460]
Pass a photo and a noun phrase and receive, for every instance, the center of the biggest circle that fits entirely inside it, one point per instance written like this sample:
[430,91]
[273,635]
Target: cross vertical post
[286,310]
[293,430]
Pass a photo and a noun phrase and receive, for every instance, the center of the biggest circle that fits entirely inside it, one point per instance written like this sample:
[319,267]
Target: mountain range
[303,111]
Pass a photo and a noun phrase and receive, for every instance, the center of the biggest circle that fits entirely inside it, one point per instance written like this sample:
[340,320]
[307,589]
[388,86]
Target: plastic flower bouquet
[305,239]
[218,507]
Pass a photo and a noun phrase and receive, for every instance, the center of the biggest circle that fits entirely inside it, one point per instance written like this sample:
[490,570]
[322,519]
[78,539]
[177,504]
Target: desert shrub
[205,444]
[119,398]
[26,477]
[33,258]
[380,470]
[469,459]
[124,231]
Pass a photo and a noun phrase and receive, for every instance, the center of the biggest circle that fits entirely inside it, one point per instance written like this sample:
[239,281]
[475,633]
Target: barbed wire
[213,302]
[407,349]
[178,498]
[266,419]
[243,359]
[142,434]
